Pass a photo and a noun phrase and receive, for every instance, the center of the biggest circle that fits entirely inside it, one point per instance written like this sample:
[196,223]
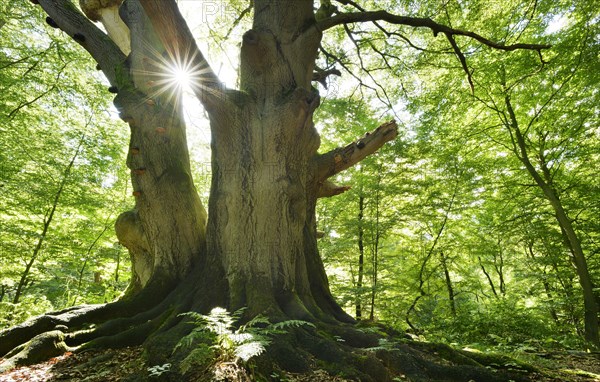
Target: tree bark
[264,186]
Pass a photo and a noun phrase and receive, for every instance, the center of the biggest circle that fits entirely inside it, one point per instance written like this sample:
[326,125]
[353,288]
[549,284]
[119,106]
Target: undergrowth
[220,345]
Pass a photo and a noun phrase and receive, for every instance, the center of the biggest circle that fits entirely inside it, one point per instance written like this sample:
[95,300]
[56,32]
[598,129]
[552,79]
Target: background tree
[500,213]
[506,187]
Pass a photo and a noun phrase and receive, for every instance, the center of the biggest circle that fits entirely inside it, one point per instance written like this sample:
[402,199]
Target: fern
[248,350]
[229,344]
[291,324]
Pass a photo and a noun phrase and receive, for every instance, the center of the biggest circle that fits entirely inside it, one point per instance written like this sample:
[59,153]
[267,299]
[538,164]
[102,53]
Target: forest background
[478,226]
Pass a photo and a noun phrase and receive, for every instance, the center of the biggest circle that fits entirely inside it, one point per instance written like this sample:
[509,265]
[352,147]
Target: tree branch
[342,158]
[328,189]
[320,75]
[39,96]
[80,28]
[239,19]
[181,46]
[462,58]
[419,22]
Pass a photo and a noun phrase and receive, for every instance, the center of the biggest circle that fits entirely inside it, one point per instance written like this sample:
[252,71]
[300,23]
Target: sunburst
[173,76]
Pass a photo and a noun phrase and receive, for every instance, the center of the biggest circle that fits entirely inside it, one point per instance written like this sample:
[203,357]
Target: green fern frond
[257,321]
[196,317]
[198,334]
[249,350]
[240,338]
[291,324]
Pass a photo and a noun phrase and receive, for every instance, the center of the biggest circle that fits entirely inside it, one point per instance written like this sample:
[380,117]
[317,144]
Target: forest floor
[128,365]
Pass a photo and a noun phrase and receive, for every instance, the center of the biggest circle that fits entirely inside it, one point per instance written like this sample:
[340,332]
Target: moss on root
[39,348]
[305,350]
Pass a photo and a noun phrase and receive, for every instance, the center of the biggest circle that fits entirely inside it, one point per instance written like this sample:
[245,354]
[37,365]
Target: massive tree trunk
[267,174]
[264,187]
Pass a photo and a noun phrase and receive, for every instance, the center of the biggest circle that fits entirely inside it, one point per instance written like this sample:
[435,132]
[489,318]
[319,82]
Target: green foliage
[460,243]
[30,306]
[62,173]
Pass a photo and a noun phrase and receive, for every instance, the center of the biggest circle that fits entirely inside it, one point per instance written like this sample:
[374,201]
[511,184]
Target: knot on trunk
[131,235]
[259,49]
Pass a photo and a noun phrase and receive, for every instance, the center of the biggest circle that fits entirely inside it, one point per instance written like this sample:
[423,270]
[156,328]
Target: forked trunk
[261,227]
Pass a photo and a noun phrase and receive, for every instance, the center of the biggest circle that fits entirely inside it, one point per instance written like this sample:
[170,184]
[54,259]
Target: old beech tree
[256,247]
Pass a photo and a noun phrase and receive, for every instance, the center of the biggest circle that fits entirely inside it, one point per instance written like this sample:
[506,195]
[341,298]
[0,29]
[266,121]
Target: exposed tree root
[73,328]
[38,349]
[346,350]
[359,355]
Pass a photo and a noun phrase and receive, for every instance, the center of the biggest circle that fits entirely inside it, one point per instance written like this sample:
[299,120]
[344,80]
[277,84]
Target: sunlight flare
[175,76]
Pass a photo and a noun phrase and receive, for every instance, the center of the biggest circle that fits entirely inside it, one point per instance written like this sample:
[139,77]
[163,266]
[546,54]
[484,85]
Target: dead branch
[342,158]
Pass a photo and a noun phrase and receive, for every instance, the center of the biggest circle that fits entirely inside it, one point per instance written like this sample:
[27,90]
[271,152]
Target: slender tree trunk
[117,269]
[449,287]
[375,255]
[499,268]
[85,261]
[487,276]
[422,277]
[361,256]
